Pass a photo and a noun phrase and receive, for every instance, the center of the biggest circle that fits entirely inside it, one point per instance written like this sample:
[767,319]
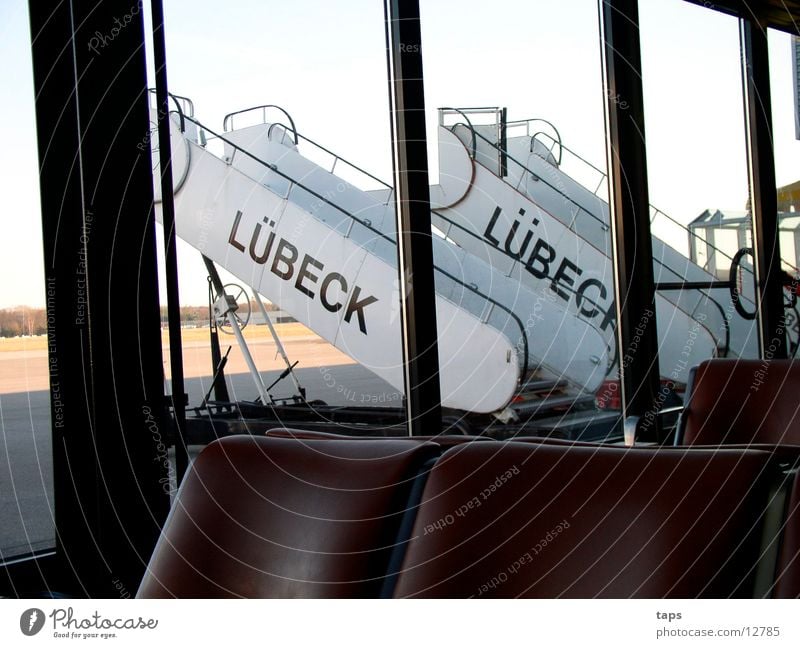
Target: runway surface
[26,485]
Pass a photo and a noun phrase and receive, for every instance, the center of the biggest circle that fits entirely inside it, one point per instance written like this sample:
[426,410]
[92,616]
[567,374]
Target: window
[26,479]
[697,174]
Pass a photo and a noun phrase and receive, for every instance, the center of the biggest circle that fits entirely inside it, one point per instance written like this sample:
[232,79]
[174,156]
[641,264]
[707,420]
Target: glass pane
[697,173]
[285,189]
[517,150]
[26,479]
[784,57]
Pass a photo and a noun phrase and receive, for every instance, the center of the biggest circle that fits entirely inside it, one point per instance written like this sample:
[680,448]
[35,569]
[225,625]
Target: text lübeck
[306,274]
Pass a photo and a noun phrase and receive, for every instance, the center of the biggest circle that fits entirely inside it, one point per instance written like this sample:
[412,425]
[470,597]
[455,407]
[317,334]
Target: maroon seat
[266,517]
[517,520]
[563,442]
[787,583]
[742,402]
[442,440]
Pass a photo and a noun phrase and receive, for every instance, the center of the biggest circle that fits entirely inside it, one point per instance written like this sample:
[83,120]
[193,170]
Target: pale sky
[325,63]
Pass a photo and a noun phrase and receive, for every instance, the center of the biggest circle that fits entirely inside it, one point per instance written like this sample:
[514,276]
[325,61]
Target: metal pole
[630,211]
[278,343]
[99,257]
[413,212]
[251,365]
[763,193]
[178,396]
[219,289]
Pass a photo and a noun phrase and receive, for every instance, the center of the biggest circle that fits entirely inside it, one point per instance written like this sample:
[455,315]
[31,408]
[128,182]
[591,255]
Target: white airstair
[325,251]
[521,251]
[545,228]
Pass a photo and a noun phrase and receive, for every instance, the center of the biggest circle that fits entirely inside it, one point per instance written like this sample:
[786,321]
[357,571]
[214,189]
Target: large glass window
[516,147]
[26,479]
[282,177]
[697,174]
[784,56]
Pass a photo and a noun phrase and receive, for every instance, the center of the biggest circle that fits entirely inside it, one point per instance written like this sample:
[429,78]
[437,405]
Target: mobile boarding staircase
[523,284]
[529,156]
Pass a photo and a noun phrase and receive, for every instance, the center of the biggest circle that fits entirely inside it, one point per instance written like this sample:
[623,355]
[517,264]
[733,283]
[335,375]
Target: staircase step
[543,385]
[540,406]
[583,426]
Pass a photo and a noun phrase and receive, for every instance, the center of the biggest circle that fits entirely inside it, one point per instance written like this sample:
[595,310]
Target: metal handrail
[228,119]
[585,210]
[556,189]
[469,123]
[336,157]
[550,149]
[656,210]
[556,139]
[180,111]
[726,324]
[573,153]
[189,103]
[368,225]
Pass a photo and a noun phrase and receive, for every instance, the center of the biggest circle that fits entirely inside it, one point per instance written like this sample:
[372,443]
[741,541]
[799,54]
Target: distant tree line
[22,320]
[193,314]
[198,315]
[25,320]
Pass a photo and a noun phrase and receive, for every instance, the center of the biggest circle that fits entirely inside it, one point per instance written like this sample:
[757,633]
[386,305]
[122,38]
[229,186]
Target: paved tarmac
[26,485]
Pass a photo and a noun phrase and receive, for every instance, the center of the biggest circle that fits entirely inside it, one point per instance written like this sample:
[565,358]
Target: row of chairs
[304,514]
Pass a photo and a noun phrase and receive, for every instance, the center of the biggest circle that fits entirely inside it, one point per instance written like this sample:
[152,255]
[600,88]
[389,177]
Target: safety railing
[336,158]
[184,106]
[527,125]
[654,211]
[464,112]
[604,225]
[227,121]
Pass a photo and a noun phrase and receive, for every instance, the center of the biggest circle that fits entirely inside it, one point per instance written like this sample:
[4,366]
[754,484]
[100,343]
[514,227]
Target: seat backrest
[442,440]
[267,517]
[787,583]
[741,402]
[524,520]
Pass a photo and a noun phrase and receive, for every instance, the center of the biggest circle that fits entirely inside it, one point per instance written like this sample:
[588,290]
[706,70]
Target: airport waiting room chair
[738,402]
[552,521]
[263,517]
